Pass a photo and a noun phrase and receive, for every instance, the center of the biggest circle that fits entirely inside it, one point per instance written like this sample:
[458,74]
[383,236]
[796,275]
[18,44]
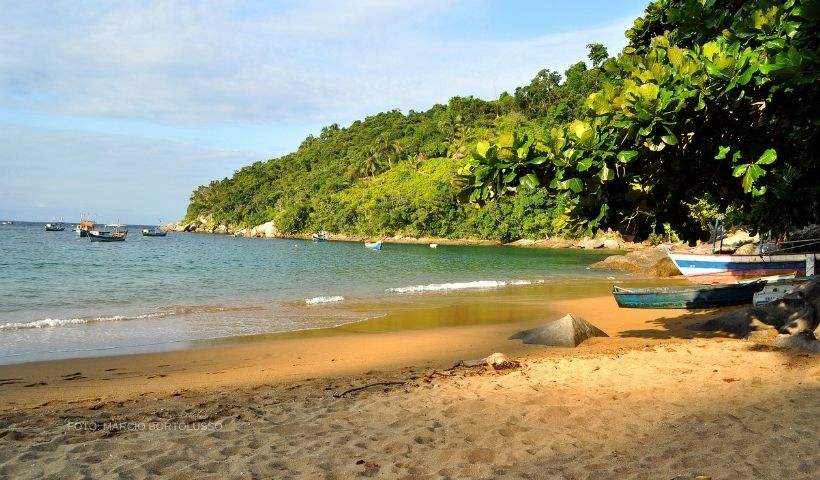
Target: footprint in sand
[160,375]
[10,381]
[36,384]
[73,376]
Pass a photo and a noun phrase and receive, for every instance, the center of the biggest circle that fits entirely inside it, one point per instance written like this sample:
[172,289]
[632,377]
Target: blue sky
[123,108]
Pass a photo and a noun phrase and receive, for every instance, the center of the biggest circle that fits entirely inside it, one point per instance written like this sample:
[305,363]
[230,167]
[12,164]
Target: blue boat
[373,245]
[689,297]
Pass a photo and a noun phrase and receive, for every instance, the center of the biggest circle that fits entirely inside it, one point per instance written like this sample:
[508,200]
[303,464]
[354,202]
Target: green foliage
[710,109]
[710,98]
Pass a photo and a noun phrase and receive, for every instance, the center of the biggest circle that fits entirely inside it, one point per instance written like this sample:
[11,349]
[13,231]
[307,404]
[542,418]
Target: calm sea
[62,296]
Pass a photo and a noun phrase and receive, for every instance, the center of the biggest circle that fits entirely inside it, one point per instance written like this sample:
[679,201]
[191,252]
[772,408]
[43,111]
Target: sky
[121,109]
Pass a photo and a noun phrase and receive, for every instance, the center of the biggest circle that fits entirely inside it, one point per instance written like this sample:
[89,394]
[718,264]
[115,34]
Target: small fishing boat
[85,226]
[373,245]
[55,227]
[690,297]
[320,236]
[153,232]
[113,232]
[434,245]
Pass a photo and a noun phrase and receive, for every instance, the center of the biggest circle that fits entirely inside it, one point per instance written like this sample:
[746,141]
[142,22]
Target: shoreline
[551,242]
[653,400]
[325,352]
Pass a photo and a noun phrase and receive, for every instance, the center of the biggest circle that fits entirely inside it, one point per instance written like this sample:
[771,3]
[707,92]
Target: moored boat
[85,226]
[320,236]
[114,232]
[55,227]
[689,297]
[704,268]
[153,232]
[373,245]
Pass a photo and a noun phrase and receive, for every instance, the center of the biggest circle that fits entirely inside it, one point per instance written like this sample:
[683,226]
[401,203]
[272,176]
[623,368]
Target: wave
[437,287]
[61,322]
[317,300]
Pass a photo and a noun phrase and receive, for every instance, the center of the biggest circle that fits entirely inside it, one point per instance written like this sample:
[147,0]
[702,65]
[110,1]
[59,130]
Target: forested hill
[710,111]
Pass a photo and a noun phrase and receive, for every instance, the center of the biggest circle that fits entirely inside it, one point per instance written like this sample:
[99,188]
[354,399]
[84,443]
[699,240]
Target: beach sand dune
[628,406]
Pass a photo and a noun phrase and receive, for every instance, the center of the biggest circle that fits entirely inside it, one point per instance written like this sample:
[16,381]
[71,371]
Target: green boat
[689,297]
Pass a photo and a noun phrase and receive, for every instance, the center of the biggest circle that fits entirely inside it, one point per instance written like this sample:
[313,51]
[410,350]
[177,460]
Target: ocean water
[62,296]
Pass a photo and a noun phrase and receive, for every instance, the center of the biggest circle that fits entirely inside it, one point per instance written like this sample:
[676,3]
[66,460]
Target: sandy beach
[654,400]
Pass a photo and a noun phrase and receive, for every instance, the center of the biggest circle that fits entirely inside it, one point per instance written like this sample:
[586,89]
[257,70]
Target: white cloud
[206,63]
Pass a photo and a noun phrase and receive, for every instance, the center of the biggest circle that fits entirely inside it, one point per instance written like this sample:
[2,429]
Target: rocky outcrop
[203,225]
[568,331]
[267,230]
[794,315]
[652,262]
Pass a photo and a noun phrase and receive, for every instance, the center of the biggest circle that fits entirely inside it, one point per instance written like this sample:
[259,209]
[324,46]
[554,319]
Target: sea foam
[62,322]
[316,300]
[436,287]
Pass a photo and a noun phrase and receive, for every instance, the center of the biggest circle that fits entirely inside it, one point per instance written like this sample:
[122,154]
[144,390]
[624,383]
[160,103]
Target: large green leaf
[768,157]
[625,156]
[575,184]
[530,181]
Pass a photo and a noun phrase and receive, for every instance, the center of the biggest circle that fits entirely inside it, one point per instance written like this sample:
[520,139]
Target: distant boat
[114,232]
[320,236]
[695,296]
[373,245]
[85,226]
[55,227]
[434,245]
[153,232]
[6,222]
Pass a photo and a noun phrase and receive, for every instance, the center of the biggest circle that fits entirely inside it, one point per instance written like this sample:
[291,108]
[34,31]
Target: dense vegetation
[709,111]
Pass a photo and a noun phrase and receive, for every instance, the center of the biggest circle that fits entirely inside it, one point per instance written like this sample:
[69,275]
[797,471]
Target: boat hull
[733,268]
[701,296]
[153,233]
[105,238]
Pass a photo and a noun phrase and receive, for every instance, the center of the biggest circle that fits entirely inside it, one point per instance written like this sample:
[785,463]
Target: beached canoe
[695,296]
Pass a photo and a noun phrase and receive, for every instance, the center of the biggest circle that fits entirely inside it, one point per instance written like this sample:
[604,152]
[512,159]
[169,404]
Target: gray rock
[803,340]
[568,331]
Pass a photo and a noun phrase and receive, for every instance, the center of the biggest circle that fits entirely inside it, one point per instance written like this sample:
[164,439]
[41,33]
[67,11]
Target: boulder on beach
[796,313]
[653,262]
[568,331]
[803,340]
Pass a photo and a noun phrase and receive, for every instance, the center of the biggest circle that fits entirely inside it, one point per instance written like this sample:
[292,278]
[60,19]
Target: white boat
[703,268]
[55,227]
[777,289]
[320,236]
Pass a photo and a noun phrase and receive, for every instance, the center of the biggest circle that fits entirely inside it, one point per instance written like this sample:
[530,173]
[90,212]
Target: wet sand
[654,400]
